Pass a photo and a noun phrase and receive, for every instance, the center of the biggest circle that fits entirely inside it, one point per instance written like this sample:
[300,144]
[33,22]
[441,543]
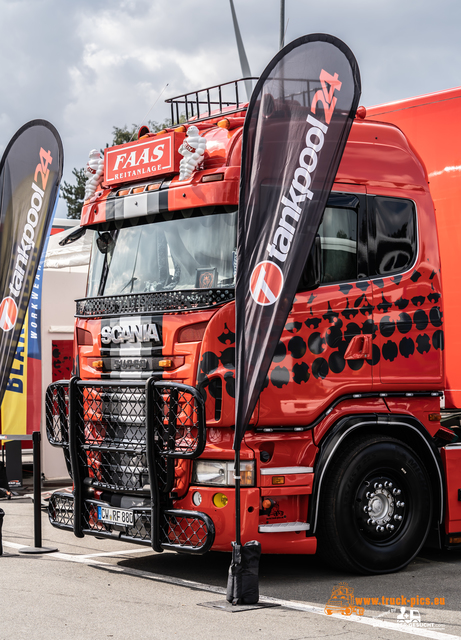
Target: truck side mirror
[105,242]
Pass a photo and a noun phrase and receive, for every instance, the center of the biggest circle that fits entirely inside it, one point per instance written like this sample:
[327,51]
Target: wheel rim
[381,507]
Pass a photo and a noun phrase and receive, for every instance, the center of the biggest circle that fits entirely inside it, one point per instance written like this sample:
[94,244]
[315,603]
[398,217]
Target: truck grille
[155,302]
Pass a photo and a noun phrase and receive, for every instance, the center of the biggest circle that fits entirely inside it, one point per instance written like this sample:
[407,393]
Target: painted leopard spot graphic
[228,358]
[369,327]
[330,315]
[421,320]
[227,336]
[355,365]
[417,301]
[280,352]
[301,372]
[390,351]
[280,376]
[385,305]
[349,313]
[402,303]
[312,323]
[406,347]
[404,323]
[336,362]
[334,335]
[209,363]
[366,309]
[352,329]
[293,327]
[423,343]
[438,340]
[416,276]
[297,347]
[320,368]
[345,288]
[316,343]
[435,316]
[434,297]
[342,347]
[386,326]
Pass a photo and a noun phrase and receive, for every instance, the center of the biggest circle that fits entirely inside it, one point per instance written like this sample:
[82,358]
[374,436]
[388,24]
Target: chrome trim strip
[282,527]
[285,471]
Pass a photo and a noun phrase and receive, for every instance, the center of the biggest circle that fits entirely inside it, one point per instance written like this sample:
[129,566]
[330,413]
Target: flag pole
[238,539]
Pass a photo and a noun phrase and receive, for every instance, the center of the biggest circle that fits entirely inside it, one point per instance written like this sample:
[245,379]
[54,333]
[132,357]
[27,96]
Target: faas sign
[142,159]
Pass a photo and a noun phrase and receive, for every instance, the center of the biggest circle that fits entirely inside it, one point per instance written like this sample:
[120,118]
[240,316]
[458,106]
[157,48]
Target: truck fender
[405,428]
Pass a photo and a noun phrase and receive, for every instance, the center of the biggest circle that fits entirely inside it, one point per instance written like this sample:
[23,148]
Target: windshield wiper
[130,281]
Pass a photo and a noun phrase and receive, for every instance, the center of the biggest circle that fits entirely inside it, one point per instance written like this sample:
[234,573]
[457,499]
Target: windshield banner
[295,131]
[30,173]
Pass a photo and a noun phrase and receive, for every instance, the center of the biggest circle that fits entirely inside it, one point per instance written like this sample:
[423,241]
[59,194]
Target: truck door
[406,295]
[326,347]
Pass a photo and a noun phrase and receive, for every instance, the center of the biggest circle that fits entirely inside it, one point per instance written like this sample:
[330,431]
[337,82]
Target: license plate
[115,516]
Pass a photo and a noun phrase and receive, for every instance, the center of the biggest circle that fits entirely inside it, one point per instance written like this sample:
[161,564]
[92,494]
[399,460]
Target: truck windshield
[192,252]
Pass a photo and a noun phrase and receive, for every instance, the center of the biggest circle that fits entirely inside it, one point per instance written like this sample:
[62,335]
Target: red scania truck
[352,448]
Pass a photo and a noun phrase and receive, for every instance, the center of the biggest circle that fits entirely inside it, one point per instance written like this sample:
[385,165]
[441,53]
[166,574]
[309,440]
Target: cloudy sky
[87,66]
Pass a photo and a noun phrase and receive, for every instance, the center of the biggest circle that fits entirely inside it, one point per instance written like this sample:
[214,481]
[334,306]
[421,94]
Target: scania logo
[130,333]
[8,314]
[266,283]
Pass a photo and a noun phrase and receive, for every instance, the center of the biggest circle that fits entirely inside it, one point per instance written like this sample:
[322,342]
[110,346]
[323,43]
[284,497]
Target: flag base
[243,580]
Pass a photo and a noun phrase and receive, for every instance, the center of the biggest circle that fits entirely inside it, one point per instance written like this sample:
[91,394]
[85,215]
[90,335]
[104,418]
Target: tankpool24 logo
[8,314]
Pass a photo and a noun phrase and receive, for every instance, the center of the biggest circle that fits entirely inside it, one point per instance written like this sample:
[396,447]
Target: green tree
[73,193]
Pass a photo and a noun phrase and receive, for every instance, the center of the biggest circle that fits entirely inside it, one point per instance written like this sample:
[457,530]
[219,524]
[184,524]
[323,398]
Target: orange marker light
[278,479]
[213,177]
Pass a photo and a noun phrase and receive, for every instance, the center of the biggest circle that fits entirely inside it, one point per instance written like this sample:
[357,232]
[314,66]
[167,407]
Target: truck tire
[376,507]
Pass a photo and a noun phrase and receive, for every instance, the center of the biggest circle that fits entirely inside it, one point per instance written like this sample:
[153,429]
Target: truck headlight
[221,473]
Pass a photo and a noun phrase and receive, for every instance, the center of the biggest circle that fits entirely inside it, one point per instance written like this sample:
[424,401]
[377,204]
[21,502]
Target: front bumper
[179,530]
[121,441]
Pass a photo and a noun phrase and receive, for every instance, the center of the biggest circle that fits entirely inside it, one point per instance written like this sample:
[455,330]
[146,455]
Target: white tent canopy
[76,254]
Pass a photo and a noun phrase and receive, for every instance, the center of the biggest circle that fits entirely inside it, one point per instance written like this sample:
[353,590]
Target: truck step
[282,527]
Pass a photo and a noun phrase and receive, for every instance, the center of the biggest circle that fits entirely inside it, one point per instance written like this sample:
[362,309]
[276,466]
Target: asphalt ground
[110,589]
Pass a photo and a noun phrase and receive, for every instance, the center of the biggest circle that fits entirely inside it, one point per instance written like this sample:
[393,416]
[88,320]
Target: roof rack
[210,102]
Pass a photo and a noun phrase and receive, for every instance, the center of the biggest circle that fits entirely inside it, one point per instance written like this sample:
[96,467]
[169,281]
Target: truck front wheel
[376,507]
